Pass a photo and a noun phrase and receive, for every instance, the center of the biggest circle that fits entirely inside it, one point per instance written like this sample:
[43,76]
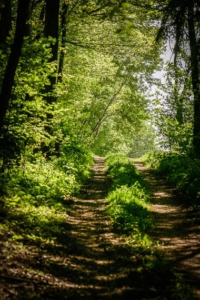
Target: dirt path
[90,261]
[98,264]
[96,261]
[177,227]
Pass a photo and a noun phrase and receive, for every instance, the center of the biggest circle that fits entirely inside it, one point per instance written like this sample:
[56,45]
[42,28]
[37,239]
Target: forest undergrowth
[181,170]
[34,193]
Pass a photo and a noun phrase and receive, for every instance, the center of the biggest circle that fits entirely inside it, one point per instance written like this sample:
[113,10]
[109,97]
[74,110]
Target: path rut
[100,258]
[177,226]
[89,260]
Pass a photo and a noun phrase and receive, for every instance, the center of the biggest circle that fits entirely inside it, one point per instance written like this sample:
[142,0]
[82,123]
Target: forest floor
[90,260]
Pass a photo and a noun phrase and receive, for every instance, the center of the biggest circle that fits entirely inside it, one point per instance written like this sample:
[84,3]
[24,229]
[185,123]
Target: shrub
[122,171]
[127,198]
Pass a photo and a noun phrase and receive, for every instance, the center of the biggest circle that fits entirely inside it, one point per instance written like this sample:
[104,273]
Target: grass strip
[128,199]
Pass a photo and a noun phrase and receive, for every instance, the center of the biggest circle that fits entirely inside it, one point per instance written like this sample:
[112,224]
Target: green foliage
[26,121]
[128,199]
[44,148]
[180,169]
[128,208]
[122,171]
[42,162]
[143,142]
[42,179]
[105,59]
[75,159]
[36,194]
[173,109]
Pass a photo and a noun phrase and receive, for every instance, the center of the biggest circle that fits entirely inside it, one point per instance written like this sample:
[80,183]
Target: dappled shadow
[176,226]
[88,259]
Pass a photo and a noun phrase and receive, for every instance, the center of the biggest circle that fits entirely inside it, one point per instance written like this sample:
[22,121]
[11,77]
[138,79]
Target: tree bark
[51,24]
[28,28]
[6,90]
[63,24]
[51,30]
[195,77]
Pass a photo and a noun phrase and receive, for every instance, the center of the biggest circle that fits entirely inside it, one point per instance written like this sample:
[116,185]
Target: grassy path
[97,270]
[90,261]
[177,227]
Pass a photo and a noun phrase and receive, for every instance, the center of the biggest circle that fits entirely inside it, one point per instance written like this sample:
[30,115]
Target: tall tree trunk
[6,90]
[63,25]
[28,28]
[178,99]
[95,129]
[51,24]
[51,30]
[195,77]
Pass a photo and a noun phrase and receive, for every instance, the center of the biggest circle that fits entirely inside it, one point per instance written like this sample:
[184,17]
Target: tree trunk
[28,28]
[6,90]
[195,77]
[51,24]
[51,30]
[95,130]
[63,24]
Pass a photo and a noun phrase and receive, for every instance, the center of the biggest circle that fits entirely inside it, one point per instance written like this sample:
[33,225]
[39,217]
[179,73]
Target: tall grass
[128,199]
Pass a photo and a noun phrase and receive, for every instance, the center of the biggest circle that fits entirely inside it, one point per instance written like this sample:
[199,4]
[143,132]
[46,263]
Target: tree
[181,21]
[173,110]
[51,24]
[106,63]
[107,57]
[51,30]
[6,89]
[63,27]
[194,30]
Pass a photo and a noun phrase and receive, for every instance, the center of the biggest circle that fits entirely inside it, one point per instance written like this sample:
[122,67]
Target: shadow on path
[177,227]
[90,261]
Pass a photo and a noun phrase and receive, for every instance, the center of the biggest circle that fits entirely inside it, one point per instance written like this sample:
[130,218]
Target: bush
[178,169]
[35,195]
